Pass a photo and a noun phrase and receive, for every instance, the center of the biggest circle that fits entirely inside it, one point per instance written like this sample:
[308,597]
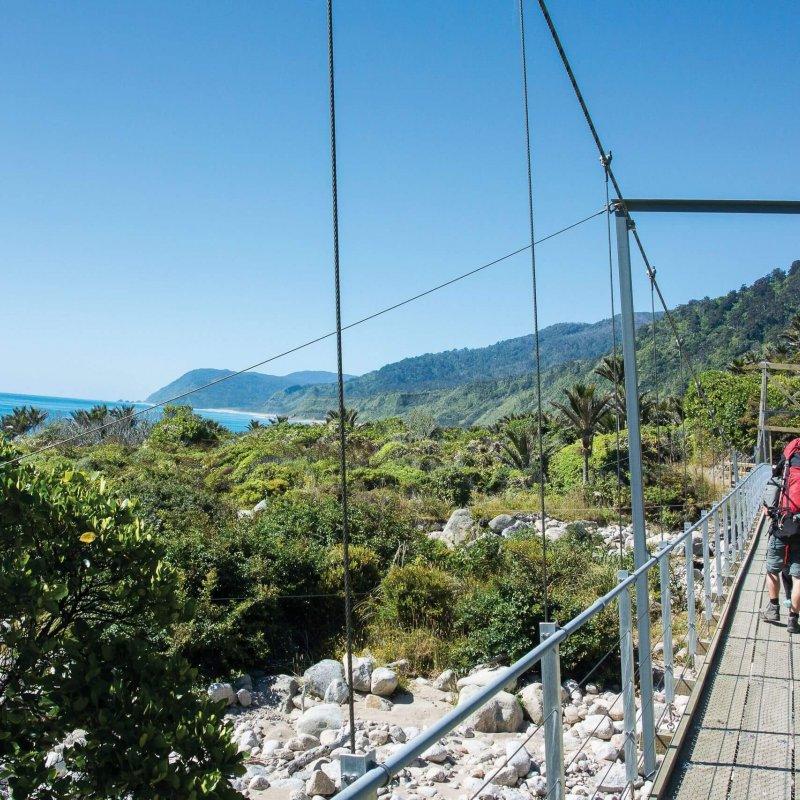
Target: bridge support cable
[348,599]
[656,405]
[783,207]
[535,302]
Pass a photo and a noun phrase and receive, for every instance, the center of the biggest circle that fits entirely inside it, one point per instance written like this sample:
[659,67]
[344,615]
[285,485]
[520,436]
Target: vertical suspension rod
[348,610]
[535,299]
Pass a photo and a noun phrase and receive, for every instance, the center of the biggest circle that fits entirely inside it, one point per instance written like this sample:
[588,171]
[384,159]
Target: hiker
[782,505]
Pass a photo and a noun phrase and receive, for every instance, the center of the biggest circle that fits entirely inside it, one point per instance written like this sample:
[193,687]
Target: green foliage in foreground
[83,593]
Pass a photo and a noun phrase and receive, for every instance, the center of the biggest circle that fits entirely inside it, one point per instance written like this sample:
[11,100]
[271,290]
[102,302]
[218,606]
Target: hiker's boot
[771,612]
[792,625]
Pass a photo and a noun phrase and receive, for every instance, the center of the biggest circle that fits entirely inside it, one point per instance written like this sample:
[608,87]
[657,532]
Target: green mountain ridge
[467,386]
[714,331]
[428,379]
[479,385]
[245,392]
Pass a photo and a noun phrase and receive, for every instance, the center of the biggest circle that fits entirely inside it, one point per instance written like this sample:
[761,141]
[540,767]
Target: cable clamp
[605,160]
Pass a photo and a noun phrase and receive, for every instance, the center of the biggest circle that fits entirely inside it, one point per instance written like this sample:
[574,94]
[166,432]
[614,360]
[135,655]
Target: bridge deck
[741,743]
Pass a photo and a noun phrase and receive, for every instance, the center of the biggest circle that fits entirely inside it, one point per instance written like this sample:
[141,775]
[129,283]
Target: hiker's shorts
[784,554]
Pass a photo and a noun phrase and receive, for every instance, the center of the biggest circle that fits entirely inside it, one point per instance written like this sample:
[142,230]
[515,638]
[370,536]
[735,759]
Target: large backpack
[787,512]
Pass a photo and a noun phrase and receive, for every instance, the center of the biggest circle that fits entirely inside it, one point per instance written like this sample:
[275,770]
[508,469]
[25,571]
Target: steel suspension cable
[655,383]
[348,600]
[297,348]
[535,299]
[618,190]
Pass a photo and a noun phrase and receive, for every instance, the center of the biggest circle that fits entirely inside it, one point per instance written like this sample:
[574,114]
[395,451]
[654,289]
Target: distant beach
[61,407]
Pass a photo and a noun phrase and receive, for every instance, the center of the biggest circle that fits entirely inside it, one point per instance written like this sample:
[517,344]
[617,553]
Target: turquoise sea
[57,407]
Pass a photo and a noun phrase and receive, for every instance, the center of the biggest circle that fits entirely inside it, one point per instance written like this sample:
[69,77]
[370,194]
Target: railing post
[722,520]
[666,625]
[706,570]
[553,725]
[691,610]
[743,525]
[727,526]
[628,688]
[717,552]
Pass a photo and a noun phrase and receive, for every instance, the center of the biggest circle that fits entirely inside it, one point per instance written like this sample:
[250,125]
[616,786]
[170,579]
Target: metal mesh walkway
[742,740]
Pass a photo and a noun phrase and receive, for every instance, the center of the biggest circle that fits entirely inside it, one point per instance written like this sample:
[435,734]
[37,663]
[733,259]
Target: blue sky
[165,173]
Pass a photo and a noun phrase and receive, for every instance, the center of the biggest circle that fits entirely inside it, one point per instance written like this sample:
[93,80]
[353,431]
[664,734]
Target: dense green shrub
[454,484]
[417,595]
[733,400]
[84,595]
[180,426]
[566,467]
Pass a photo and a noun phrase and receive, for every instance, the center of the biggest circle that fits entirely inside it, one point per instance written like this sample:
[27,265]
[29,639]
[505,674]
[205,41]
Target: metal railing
[733,519]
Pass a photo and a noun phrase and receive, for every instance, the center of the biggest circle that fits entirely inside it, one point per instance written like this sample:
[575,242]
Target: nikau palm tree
[738,365]
[350,417]
[582,414]
[96,415]
[612,368]
[22,420]
[518,447]
[124,416]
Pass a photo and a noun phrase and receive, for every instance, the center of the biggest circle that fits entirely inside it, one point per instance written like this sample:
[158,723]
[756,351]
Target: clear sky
[166,188]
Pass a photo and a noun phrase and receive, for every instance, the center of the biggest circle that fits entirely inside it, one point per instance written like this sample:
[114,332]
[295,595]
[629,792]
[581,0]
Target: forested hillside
[714,330]
[480,385]
[462,387]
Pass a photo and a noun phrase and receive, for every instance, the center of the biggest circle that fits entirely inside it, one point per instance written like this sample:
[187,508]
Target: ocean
[57,407]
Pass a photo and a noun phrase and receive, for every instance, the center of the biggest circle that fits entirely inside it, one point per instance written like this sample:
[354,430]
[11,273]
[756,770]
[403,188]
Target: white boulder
[316,719]
[319,677]
[337,692]
[613,780]
[320,784]
[531,698]
[383,681]
[500,522]
[247,741]
[244,697]
[446,681]
[598,726]
[362,672]
[501,714]
[222,691]
[519,758]
[483,677]
[436,753]
[460,528]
